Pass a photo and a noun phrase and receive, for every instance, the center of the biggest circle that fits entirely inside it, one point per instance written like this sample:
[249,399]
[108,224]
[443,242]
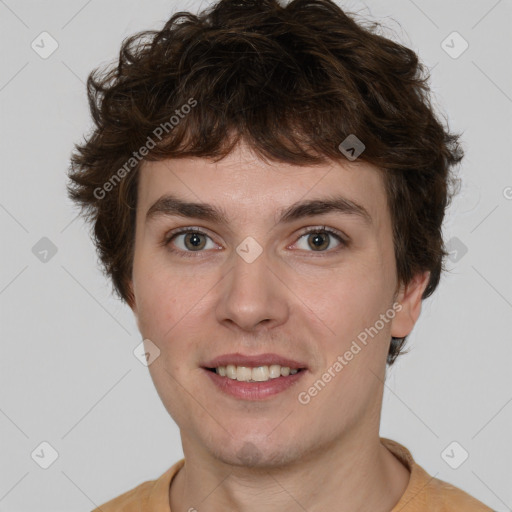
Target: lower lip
[253,390]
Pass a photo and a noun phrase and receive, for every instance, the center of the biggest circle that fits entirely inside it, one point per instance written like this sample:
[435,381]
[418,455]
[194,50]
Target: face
[310,286]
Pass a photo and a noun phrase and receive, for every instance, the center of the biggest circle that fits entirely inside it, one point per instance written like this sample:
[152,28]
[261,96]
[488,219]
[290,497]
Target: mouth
[253,377]
[263,373]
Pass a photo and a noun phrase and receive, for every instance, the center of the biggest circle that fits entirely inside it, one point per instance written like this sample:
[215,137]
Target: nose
[252,296]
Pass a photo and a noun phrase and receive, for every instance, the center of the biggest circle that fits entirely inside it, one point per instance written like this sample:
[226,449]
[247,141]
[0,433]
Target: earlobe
[409,297]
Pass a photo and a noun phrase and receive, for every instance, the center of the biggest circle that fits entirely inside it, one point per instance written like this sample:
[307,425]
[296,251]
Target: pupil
[195,240]
[317,240]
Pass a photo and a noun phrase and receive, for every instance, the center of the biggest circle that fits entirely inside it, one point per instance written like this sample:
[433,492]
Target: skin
[295,300]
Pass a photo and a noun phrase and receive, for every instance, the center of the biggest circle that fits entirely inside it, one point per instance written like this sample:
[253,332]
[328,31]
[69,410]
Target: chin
[255,454]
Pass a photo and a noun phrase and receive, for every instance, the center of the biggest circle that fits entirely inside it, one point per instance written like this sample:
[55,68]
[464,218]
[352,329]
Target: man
[267,185]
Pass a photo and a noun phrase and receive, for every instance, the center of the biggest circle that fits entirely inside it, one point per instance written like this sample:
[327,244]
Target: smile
[254,374]
[244,386]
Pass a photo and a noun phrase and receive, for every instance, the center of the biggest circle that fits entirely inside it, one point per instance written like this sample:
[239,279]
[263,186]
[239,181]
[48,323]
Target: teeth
[230,371]
[257,374]
[243,373]
[274,371]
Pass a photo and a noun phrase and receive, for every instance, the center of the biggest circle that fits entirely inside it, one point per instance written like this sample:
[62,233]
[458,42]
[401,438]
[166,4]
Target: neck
[351,474]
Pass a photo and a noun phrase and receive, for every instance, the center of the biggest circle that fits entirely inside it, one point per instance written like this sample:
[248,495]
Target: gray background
[68,375]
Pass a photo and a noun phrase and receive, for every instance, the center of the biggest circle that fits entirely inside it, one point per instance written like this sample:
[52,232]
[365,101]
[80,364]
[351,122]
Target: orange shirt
[423,494]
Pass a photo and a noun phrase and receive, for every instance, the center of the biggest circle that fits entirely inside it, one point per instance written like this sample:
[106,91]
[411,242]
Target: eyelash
[193,254]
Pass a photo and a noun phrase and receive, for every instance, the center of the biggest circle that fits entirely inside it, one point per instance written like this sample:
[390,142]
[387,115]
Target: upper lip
[256,360]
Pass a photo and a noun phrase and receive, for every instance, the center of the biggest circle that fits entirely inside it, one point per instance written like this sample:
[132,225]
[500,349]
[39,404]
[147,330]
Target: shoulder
[129,501]
[447,498]
[426,493]
[150,495]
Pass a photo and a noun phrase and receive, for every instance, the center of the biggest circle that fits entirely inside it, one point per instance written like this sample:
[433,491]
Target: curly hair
[292,82]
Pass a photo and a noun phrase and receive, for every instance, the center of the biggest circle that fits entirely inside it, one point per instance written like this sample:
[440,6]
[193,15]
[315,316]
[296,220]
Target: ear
[409,297]
[131,297]
[131,300]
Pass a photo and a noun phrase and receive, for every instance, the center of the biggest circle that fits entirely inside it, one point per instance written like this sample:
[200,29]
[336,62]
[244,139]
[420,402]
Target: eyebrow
[170,205]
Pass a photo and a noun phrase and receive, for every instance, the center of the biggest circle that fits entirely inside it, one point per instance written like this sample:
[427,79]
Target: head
[243,108]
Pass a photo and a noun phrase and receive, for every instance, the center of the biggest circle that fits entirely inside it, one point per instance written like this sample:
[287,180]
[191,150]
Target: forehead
[241,185]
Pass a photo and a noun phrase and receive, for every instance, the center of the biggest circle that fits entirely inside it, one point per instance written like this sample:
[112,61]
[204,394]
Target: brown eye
[187,241]
[194,242]
[320,239]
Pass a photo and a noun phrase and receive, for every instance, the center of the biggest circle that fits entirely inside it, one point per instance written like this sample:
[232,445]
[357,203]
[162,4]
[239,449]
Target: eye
[188,240]
[192,240]
[319,239]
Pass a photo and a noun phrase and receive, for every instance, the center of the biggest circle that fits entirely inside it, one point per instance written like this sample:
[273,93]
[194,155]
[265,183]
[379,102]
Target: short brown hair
[292,82]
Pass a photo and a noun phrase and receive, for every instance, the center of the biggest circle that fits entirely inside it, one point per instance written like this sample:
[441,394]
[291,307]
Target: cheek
[169,303]
[156,297]
[355,300]
[353,310]
[159,311]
